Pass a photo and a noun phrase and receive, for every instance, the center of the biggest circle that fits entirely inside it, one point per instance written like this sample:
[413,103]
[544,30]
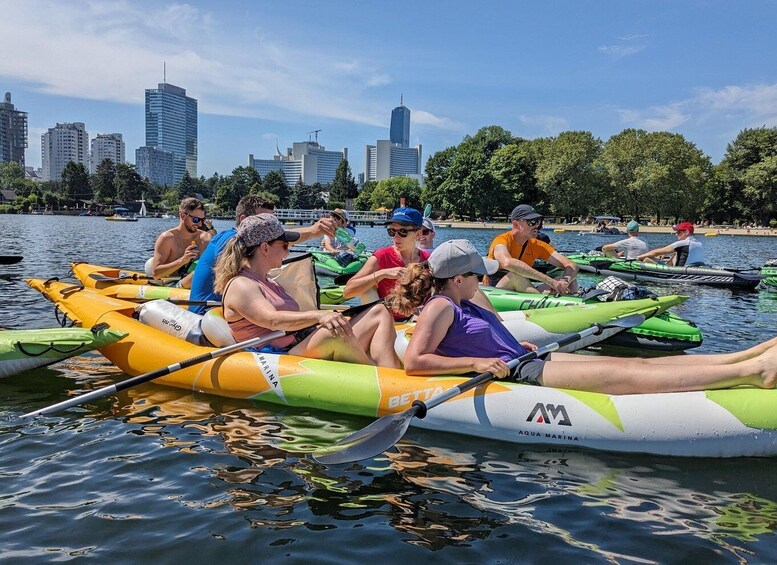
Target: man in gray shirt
[628,248]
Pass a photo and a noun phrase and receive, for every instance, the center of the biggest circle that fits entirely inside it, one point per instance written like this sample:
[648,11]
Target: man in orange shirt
[517,249]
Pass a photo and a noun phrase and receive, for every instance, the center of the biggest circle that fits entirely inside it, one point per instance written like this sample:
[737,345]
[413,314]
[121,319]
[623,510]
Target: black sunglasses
[534,222]
[195,219]
[470,274]
[426,231]
[402,232]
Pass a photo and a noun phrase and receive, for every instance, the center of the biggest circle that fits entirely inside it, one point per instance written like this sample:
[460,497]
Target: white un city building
[107,146]
[62,144]
[307,160]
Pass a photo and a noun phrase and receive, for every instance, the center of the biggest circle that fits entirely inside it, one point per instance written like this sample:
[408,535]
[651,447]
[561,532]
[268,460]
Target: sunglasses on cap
[195,219]
[401,232]
[534,222]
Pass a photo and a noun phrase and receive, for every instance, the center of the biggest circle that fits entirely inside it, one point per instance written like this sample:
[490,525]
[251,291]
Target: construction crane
[314,132]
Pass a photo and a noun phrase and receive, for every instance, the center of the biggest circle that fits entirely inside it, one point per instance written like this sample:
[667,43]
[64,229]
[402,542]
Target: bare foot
[768,362]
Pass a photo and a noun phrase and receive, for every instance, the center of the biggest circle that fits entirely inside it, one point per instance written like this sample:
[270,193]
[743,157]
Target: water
[160,473]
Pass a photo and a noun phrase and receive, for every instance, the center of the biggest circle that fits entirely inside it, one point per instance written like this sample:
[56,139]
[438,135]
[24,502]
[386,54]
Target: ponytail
[413,289]
[228,265]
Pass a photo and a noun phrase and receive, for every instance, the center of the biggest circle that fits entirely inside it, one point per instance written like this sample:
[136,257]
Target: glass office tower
[171,125]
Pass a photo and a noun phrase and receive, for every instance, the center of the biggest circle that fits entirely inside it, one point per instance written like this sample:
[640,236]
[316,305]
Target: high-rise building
[13,133]
[399,132]
[394,157]
[155,164]
[107,146]
[306,159]
[171,124]
[62,144]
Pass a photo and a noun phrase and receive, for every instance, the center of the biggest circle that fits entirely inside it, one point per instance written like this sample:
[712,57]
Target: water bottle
[354,245]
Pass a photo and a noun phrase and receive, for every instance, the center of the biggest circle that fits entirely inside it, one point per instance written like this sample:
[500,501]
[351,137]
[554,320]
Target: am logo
[549,414]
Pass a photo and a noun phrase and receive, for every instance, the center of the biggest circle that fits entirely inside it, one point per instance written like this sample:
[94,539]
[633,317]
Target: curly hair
[414,288]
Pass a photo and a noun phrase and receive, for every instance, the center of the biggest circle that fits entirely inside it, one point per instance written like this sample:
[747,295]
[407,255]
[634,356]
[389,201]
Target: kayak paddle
[384,433]
[9,259]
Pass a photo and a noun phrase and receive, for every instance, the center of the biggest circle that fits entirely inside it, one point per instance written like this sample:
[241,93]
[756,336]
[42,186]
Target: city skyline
[267,74]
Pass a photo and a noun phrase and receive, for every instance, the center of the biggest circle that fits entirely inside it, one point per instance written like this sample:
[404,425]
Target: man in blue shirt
[202,281]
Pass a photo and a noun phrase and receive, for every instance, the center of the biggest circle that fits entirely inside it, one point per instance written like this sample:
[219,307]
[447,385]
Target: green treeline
[635,174]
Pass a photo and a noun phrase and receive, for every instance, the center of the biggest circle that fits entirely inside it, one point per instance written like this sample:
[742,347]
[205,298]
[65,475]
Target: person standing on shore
[516,251]
[687,251]
[176,248]
[629,248]
[204,274]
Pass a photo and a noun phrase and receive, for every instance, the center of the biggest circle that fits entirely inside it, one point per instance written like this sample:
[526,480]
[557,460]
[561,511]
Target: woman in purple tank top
[255,305]
[454,336]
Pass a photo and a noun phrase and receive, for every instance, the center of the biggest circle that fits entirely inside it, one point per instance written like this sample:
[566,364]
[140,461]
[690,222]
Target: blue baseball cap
[409,216]
[633,225]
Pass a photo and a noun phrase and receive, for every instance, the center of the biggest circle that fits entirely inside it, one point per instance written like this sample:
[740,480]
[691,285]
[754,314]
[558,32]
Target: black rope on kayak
[47,282]
[51,347]
[64,321]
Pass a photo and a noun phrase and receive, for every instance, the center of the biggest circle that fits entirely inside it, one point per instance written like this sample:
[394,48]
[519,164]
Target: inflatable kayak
[724,423]
[326,264]
[769,274]
[632,270]
[664,332]
[24,350]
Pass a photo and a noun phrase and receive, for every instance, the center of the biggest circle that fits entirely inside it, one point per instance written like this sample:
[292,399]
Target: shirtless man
[176,248]
[517,249]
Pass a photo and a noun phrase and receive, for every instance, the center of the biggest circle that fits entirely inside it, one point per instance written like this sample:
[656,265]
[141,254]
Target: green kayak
[664,332]
[769,271]
[326,264]
[24,350]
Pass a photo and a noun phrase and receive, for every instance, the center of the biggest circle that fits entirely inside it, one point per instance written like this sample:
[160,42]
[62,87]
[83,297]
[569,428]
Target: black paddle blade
[368,442]
[9,259]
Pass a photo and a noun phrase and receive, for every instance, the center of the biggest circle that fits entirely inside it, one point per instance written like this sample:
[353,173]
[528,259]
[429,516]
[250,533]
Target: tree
[103,181]
[514,167]
[568,175]
[436,171]
[186,187]
[11,177]
[343,185]
[75,183]
[364,199]
[275,183]
[130,185]
[387,193]
[306,197]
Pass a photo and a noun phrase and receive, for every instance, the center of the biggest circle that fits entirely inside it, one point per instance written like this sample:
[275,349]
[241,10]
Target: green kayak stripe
[751,406]
[601,404]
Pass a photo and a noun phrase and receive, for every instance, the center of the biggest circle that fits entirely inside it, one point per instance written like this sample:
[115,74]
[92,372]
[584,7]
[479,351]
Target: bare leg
[634,376]
[323,345]
[375,331]
[684,360]
[511,281]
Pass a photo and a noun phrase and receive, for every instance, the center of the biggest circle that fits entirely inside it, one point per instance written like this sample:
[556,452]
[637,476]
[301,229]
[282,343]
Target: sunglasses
[426,231]
[195,219]
[470,274]
[401,232]
[534,222]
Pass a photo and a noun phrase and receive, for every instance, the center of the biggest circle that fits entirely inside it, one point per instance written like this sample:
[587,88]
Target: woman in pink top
[386,265]
[255,305]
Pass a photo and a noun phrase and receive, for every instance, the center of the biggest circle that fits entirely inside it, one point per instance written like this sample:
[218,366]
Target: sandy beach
[700,231]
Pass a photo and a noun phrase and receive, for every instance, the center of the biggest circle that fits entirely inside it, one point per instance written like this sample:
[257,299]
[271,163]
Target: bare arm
[510,263]
[164,263]
[656,252]
[326,243]
[368,277]
[420,358]
[246,300]
[324,226]
[609,250]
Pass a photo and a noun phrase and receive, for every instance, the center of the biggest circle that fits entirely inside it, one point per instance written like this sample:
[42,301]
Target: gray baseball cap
[524,212]
[459,256]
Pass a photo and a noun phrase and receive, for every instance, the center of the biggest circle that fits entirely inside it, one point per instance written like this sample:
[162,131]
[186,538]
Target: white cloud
[740,105]
[113,51]
[422,118]
[544,124]
[656,118]
[627,45]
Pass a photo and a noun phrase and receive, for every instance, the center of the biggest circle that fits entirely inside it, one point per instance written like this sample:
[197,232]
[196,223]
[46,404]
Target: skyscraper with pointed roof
[400,125]
[171,125]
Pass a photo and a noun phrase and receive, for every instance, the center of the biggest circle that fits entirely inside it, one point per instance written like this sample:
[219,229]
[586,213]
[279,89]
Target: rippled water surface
[159,473]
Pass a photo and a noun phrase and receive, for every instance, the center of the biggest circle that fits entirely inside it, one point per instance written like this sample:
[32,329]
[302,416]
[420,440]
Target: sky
[271,72]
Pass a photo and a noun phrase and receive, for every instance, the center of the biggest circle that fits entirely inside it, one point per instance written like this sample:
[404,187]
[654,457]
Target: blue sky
[264,70]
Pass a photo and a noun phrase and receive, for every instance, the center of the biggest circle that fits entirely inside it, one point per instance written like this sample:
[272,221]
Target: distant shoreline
[700,231]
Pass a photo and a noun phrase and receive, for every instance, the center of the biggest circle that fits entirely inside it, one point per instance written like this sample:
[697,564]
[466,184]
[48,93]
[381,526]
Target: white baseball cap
[459,256]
